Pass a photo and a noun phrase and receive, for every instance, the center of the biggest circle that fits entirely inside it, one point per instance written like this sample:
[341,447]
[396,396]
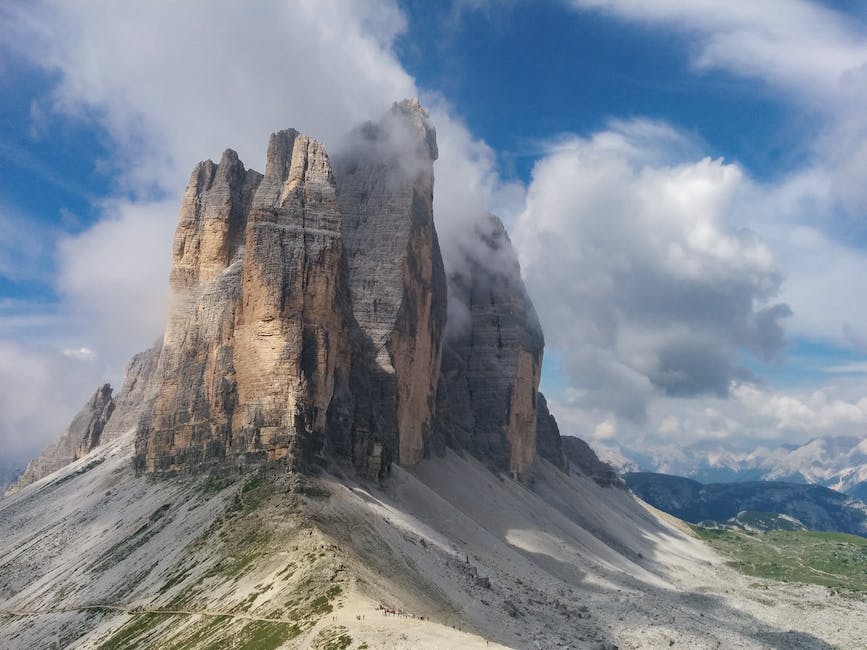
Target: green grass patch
[265,635]
[333,638]
[209,635]
[132,634]
[214,484]
[834,560]
[250,497]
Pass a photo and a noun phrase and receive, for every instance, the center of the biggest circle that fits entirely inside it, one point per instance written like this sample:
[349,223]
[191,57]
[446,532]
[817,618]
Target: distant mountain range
[756,504]
[836,462]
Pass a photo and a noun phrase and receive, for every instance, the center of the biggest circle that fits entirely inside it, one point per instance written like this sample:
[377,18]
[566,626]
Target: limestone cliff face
[291,331]
[583,460]
[397,283]
[255,333]
[83,434]
[308,321]
[548,442]
[491,369]
[136,396]
[189,419]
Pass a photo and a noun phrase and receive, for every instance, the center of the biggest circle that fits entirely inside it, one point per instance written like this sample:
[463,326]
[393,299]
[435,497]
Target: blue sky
[684,182]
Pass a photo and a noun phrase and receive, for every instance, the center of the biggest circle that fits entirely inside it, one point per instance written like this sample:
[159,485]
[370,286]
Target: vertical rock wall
[136,396]
[189,420]
[255,331]
[291,328]
[491,370]
[548,442]
[396,279]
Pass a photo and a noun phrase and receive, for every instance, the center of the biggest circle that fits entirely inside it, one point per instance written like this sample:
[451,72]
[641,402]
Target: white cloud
[113,277]
[82,354]
[467,186]
[749,417]
[815,59]
[815,55]
[644,279]
[173,83]
[797,45]
[41,389]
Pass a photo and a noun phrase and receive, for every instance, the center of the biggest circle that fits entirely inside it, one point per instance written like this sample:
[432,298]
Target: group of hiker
[388,611]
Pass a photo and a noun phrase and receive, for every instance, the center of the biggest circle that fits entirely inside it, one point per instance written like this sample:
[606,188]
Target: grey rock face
[136,396]
[548,441]
[397,283]
[583,460]
[83,434]
[491,369]
[10,472]
[270,352]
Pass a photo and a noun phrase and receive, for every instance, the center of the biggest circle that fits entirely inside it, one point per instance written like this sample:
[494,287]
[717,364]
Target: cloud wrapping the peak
[167,85]
[644,280]
[174,83]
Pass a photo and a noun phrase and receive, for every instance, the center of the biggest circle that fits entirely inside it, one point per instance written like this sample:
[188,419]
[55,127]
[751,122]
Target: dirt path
[127,609]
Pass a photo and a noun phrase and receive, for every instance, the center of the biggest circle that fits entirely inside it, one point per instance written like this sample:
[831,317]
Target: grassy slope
[830,559]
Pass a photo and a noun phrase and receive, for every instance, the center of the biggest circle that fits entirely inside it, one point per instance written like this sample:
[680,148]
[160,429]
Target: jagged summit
[83,434]
[419,118]
[395,272]
[308,322]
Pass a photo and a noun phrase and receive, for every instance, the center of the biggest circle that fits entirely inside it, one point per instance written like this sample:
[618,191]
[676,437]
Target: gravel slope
[93,556]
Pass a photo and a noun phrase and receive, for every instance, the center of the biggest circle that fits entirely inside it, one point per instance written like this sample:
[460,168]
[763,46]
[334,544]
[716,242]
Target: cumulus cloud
[816,55]
[113,277]
[174,83]
[814,58]
[752,415]
[644,279]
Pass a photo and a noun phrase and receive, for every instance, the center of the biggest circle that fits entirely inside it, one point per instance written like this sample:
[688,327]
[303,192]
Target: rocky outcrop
[583,460]
[397,283]
[491,368]
[548,441]
[83,434]
[136,396]
[308,321]
[257,328]
[104,418]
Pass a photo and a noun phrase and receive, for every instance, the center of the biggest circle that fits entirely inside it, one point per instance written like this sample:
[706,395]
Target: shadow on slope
[564,562]
[93,556]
